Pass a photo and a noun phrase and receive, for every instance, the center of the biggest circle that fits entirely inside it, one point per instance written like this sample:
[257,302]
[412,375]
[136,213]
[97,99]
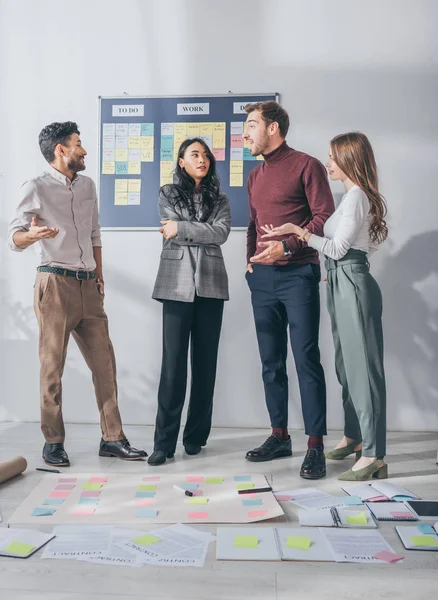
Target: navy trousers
[289,296]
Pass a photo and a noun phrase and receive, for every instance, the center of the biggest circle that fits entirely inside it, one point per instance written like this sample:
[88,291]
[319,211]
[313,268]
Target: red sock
[280,432]
[315,441]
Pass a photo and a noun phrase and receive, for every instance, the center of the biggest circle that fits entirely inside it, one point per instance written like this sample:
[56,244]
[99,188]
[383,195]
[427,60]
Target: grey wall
[338,65]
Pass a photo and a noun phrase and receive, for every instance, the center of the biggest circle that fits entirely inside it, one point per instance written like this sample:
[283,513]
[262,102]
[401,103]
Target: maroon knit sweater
[288,187]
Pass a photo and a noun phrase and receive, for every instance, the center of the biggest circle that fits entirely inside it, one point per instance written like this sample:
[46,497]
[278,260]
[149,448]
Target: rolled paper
[11,468]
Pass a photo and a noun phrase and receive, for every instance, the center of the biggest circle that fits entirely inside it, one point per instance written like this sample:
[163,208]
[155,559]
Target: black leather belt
[79,275]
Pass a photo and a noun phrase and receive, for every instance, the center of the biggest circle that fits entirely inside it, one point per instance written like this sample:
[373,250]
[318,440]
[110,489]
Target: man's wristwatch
[287,252]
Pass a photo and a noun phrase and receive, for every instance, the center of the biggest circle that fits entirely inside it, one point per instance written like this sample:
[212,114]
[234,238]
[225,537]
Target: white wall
[338,65]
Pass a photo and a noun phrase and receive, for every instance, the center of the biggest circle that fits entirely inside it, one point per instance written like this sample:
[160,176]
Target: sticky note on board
[43,512]
[426,529]
[423,540]
[89,500]
[146,513]
[244,486]
[198,515]
[194,478]
[59,494]
[219,153]
[214,480]
[92,487]
[147,487]
[236,180]
[255,514]
[252,502]
[144,494]
[108,168]
[83,512]
[90,494]
[246,541]
[121,155]
[298,542]
[53,501]
[147,129]
[197,500]
[98,479]
[62,487]
[19,548]
[146,540]
[359,519]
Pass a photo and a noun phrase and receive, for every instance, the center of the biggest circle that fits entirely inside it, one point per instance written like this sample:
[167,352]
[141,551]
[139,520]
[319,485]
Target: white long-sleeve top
[348,227]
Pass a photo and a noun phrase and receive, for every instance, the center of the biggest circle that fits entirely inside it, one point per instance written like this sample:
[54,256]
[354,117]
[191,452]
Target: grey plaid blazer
[192,262]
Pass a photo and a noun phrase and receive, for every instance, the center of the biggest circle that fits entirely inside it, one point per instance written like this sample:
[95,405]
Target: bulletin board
[139,139]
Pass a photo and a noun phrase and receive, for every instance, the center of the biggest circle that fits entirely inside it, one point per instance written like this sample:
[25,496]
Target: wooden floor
[412,462]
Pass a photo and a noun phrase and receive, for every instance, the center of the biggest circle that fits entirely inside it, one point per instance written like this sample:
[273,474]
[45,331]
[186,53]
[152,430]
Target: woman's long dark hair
[185,185]
[353,154]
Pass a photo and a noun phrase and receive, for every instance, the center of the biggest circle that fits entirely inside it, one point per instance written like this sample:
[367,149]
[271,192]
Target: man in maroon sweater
[283,276]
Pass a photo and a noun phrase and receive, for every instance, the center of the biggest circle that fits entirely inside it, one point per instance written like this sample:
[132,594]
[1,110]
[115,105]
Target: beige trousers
[64,305]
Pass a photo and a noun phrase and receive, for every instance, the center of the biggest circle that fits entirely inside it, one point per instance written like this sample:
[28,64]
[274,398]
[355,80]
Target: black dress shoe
[158,457]
[122,449]
[192,449]
[272,448]
[54,454]
[313,466]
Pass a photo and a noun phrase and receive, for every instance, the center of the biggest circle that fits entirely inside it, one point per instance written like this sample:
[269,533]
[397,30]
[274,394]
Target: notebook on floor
[380,492]
[419,537]
[390,511]
[22,543]
[337,517]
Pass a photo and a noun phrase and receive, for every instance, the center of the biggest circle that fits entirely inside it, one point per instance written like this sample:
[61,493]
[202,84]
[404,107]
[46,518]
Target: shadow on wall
[409,283]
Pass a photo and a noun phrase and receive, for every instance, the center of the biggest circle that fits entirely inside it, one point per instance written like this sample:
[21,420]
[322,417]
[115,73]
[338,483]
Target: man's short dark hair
[272,112]
[54,134]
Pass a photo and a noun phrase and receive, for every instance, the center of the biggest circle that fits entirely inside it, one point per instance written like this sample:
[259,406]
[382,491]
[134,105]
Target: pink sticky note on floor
[254,514]
[67,480]
[194,478]
[59,494]
[402,515]
[388,556]
[144,501]
[83,512]
[98,479]
[197,492]
[198,515]
[64,486]
[154,478]
[283,497]
[90,494]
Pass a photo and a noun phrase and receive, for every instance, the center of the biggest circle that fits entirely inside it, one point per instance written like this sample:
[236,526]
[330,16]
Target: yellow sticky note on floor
[146,540]
[246,541]
[244,486]
[298,542]
[197,500]
[92,486]
[423,540]
[359,519]
[213,480]
[147,487]
[19,548]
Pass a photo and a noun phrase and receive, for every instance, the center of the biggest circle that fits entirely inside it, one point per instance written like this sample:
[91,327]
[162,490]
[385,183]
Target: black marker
[255,490]
[180,489]
[48,470]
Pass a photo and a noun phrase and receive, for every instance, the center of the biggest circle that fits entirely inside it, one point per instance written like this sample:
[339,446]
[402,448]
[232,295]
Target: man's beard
[76,165]
[261,146]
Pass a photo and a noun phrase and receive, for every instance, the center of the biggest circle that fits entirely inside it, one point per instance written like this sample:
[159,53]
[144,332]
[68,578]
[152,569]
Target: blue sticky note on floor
[188,486]
[252,502]
[43,512]
[242,478]
[53,501]
[426,529]
[352,501]
[84,500]
[149,513]
[144,494]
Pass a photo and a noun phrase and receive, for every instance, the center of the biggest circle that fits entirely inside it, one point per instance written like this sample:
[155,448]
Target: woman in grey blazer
[192,284]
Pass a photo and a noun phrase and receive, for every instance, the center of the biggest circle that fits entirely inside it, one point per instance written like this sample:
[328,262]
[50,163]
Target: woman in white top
[354,302]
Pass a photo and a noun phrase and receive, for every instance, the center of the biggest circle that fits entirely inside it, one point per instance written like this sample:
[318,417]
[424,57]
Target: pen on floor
[180,489]
[48,470]
[255,490]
